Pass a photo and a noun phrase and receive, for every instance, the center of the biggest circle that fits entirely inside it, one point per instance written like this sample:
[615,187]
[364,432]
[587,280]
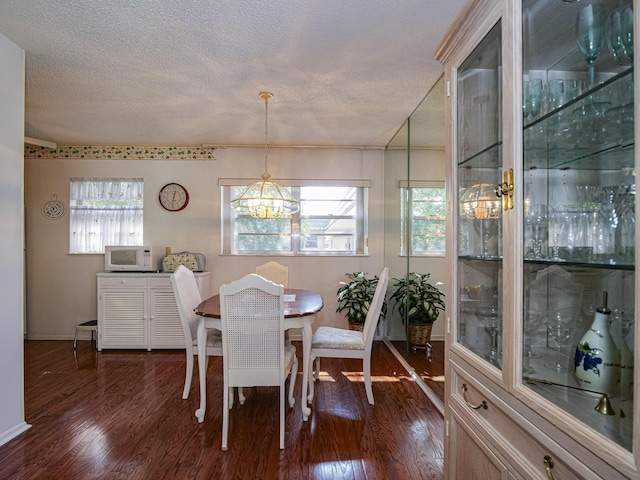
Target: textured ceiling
[188,72]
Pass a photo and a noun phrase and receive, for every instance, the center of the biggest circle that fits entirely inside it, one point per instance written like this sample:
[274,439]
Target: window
[423,218]
[331,220]
[105,211]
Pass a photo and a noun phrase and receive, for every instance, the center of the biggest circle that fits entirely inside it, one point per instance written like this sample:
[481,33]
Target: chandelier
[479,202]
[265,199]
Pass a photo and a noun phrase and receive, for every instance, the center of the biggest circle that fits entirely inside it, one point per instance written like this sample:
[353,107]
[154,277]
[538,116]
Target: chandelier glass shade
[265,199]
[480,202]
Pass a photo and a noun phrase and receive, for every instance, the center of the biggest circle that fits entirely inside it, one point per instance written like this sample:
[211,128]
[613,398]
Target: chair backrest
[373,315]
[252,314]
[274,272]
[188,298]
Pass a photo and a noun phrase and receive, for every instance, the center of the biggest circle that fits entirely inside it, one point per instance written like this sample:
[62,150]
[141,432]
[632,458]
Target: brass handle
[505,190]
[483,404]
[548,465]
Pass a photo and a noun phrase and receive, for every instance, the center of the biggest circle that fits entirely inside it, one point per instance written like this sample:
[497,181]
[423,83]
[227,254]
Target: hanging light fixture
[479,202]
[265,199]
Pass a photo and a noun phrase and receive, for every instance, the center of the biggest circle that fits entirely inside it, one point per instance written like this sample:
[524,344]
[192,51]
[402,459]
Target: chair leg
[225,415]
[75,341]
[241,397]
[282,417]
[312,377]
[366,364]
[188,375]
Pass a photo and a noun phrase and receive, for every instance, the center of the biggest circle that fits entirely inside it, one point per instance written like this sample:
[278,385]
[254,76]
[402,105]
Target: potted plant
[420,302]
[355,296]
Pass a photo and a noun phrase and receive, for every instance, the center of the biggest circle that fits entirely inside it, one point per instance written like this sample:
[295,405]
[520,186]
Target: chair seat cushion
[214,338]
[339,338]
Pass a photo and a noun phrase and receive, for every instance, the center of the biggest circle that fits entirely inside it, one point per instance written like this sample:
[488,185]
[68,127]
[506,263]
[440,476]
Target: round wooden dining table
[300,310]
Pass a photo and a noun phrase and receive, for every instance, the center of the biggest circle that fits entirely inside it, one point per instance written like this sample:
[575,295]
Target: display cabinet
[541,373]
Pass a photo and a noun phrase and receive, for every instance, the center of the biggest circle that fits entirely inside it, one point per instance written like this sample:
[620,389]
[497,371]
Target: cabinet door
[470,458]
[578,221]
[164,320]
[122,321]
[478,134]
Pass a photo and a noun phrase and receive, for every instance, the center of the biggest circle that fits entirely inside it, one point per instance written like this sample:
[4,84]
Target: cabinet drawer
[122,281]
[525,448]
[161,282]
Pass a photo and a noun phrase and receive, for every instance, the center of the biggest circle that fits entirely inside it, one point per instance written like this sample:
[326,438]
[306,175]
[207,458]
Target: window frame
[362,207]
[407,227]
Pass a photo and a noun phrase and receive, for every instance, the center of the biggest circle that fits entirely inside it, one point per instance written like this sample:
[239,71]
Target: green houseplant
[420,303]
[355,296]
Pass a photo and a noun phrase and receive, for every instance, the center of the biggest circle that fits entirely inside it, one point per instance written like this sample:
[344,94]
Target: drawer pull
[548,465]
[469,404]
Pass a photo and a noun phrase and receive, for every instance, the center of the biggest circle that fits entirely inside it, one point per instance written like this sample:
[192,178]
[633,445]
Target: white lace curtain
[105,211]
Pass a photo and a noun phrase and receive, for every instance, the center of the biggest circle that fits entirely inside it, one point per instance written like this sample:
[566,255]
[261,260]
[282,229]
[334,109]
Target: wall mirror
[414,230]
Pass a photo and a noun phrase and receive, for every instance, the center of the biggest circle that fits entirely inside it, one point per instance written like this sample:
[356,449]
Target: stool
[90,326]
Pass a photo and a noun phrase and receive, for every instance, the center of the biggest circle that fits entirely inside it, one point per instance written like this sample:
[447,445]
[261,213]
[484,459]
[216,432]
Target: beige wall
[61,288]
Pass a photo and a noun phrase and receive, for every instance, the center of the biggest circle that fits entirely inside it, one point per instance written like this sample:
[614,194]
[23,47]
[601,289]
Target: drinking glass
[590,33]
[532,322]
[491,317]
[614,36]
[559,328]
[626,24]
[535,97]
[536,222]
[487,228]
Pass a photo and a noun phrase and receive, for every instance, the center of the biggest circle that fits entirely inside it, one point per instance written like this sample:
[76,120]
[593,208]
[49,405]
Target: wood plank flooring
[432,372]
[120,415]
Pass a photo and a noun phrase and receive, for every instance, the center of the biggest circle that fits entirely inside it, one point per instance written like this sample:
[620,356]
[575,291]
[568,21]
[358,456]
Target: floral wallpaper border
[121,153]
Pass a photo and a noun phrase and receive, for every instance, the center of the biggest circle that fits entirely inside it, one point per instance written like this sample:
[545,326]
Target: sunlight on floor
[359,377]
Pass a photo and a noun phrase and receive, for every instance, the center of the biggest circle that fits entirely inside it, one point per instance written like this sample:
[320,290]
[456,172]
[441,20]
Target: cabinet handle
[505,190]
[483,404]
[548,465]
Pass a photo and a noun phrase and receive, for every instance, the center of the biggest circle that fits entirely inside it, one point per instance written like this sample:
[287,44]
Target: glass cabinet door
[479,171]
[579,211]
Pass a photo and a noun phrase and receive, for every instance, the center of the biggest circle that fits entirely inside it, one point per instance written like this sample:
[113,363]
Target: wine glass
[535,220]
[486,228]
[614,35]
[626,24]
[559,328]
[590,33]
[532,322]
[491,316]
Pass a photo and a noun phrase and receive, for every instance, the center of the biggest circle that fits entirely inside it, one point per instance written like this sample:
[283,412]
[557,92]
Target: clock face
[173,197]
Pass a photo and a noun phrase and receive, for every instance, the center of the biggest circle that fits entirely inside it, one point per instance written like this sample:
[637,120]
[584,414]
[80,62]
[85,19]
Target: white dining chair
[188,298]
[253,344]
[274,272]
[331,342]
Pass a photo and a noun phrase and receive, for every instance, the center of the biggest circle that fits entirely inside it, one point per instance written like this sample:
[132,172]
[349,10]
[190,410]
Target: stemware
[626,24]
[614,36]
[559,328]
[532,322]
[487,228]
[491,316]
[536,222]
[590,33]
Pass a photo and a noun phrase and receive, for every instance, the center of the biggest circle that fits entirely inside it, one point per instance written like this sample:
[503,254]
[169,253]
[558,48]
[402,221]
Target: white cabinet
[541,118]
[138,310]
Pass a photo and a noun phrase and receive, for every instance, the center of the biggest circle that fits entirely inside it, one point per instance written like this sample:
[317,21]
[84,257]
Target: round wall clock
[173,197]
[53,209]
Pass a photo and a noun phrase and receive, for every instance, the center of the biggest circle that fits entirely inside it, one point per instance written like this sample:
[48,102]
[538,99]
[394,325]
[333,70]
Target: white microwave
[131,258]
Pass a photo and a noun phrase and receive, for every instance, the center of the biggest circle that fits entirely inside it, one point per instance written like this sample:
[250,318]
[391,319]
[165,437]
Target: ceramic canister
[597,360]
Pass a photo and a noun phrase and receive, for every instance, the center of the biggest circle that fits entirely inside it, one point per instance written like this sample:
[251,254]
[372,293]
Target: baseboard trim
[14,432]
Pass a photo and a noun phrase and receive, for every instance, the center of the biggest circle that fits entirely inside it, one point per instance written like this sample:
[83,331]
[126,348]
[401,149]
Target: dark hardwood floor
[431,371]
[120,415]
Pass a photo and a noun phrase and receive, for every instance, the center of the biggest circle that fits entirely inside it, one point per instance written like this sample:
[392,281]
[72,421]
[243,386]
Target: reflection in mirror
[414,232]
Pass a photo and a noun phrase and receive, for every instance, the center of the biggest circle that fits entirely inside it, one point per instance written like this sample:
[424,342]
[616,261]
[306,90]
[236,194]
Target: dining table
[300,311]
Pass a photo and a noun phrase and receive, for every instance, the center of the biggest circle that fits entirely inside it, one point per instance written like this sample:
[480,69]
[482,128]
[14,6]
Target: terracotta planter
[356,326]
[419,335]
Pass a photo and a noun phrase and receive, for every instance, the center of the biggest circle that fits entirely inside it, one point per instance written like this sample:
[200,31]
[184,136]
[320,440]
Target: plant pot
[356,326]
[419,335]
